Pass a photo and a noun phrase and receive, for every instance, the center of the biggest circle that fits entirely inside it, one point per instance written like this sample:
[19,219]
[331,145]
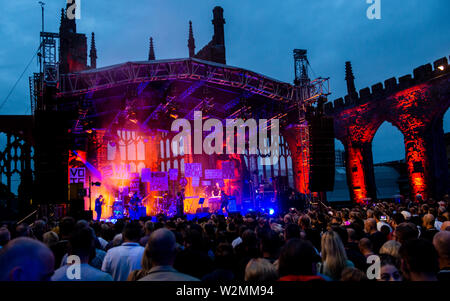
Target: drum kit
[118,209]
[121,210]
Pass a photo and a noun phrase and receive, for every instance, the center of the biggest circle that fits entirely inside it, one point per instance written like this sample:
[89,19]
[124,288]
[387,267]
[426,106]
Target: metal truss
[193,69]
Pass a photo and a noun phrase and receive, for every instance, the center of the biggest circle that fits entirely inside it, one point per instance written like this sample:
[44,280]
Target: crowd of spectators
[382,241]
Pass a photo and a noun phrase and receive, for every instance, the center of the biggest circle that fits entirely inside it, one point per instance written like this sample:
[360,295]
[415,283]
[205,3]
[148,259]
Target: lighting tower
[309,92]
[48,66]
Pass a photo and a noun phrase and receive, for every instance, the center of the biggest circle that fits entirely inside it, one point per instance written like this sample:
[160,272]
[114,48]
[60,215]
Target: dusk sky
[260,36]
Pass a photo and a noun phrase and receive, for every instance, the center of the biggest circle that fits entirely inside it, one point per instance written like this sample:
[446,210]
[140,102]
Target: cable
[18,80]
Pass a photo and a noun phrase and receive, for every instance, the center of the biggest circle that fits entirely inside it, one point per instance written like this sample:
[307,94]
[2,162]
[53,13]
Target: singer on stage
[180,203]
[98,206]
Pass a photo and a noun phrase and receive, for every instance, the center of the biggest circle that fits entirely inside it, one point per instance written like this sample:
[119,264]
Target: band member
[135,202]
[180,203]
[223,201]
[99,202]
[216,190]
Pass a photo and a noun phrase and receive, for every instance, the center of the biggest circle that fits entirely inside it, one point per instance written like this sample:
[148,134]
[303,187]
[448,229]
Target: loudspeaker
[76,207]
[322,154]
[76,191]
[51,157]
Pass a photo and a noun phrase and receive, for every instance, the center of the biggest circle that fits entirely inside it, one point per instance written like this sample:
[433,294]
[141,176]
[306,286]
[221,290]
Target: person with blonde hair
[260,269]
[391,247]
[334,257]
[50,238]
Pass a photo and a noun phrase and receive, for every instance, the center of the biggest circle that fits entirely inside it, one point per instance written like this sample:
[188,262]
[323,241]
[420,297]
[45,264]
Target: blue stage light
[271,211]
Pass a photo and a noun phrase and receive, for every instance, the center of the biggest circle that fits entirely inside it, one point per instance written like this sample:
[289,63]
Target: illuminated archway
[388,152]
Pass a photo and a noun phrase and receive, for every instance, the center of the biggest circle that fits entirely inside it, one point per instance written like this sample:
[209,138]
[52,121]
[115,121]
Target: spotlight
[271,211]
[441,67]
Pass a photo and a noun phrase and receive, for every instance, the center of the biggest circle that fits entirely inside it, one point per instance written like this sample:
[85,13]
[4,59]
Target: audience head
[260,269]
[365,245]
[370,225]
[419,260]
[148,226]
[334,257]
[224,256]
[161,247]
[23,230]
[391,247]
[353,274]
[445,226]
[441,242]
[397,219]
[132,232]
[291,231]
[39,228]
[82,243]
[5,236]
[270,243]
[428,221]
[406,231]
[406,215]
[305,222]
[26,259]
[351,235]
[50,238]
[66,227]
[297,257]
[390,268]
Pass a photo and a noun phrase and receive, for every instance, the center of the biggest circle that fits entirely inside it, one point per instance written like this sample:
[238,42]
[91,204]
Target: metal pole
[90,203]
[42,7]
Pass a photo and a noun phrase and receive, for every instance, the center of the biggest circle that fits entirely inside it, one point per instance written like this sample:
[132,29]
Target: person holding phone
[381,219]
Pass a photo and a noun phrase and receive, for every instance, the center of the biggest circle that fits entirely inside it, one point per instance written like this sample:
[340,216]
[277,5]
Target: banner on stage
[77,175]
[195,181]
[159,181]
[134,182]
[228,170]
[213,174]
[146,175]
[173,174]
[193,169]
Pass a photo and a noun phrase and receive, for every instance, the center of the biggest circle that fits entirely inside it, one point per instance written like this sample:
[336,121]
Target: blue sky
[260,36]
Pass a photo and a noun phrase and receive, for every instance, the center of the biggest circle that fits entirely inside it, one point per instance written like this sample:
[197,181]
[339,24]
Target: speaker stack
[322,153]
[51,157]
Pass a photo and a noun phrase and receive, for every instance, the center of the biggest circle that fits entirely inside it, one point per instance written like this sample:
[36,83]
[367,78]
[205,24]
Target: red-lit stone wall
[414,106]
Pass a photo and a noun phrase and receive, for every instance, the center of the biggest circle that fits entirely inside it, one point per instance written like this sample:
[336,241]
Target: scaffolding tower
[310,92]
